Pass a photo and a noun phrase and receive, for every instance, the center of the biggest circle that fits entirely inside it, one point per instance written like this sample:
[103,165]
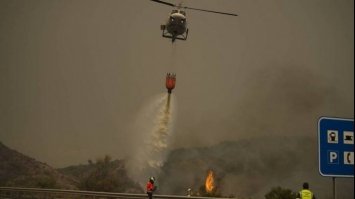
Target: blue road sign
[336,147]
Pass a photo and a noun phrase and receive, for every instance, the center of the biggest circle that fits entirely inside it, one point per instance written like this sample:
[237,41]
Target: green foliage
[108,176]
[280,193]
[101,178]
[47,182]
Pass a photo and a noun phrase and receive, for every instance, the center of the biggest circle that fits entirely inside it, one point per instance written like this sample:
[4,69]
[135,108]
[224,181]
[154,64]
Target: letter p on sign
[333,157]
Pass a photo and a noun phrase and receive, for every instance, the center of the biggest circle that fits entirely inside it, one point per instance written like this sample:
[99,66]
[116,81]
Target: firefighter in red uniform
[150,187]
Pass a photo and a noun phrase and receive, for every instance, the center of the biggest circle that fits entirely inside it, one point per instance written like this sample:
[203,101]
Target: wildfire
[209,183]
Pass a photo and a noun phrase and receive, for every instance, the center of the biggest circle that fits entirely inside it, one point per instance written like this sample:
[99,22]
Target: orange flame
[209,183]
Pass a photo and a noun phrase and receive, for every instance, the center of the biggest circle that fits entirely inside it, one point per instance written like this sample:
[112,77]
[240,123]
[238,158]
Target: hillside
[250,168]
[103,175]
[19,170]
[246,168]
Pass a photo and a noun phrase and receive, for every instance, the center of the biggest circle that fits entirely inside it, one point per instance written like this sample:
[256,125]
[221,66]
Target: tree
[280,193]
[108,176]
[101,178]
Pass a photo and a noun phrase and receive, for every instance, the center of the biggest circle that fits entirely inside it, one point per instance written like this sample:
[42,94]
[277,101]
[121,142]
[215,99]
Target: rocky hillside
[19,170]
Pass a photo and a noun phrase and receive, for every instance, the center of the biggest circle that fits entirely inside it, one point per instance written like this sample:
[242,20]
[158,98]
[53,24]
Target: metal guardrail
[34,193]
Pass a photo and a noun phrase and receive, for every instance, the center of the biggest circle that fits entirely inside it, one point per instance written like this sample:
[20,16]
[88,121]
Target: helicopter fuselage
[176,26]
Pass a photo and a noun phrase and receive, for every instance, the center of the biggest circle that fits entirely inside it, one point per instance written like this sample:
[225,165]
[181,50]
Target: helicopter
[176,25]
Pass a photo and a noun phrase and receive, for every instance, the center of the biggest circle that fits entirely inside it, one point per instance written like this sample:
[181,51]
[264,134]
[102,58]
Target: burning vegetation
[209,183]
[210,187]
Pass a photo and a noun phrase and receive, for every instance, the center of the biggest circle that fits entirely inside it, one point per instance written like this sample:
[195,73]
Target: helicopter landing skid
[174,37]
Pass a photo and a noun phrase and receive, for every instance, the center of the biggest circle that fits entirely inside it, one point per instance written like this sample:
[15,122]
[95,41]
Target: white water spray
[154,128]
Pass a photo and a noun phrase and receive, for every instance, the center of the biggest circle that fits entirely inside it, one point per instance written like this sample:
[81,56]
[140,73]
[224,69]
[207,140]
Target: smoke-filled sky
[76,74]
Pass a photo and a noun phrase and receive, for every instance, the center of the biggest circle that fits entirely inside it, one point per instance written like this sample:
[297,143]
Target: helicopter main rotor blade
[163,2]
[223,13]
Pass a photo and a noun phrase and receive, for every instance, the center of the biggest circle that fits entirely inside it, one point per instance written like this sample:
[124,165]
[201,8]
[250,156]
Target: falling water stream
[156,130]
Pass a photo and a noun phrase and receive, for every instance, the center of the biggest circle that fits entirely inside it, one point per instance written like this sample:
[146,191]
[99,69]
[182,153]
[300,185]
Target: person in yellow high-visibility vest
[305,193]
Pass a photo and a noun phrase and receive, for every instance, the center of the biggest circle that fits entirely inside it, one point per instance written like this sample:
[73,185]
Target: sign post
[336,148]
